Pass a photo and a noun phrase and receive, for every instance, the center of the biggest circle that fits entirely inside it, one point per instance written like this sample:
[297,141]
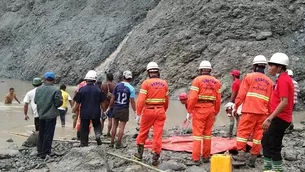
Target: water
[12,116]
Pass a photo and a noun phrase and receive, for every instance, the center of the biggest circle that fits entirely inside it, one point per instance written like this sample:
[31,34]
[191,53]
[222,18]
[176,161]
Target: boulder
[90,158]
[8,153]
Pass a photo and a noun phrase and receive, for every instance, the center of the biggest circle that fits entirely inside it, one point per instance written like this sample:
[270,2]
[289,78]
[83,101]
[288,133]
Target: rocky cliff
[68,37]
[72,36]
[178,34]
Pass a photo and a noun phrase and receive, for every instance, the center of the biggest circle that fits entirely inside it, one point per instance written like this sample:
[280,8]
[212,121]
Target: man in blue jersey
[124,94]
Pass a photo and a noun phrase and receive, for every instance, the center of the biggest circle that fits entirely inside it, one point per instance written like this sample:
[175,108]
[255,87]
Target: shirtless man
[10,97]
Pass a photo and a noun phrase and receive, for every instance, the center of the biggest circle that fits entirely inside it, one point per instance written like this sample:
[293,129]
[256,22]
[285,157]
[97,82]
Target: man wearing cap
[124,94]
[29,99]
[47,98]
[235,87]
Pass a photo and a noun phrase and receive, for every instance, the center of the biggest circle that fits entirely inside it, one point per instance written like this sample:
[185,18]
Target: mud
[68,156]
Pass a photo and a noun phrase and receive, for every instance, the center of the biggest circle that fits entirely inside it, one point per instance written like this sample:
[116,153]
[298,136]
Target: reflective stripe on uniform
[258,142]
[202,97]
[207,137]
[259,96]
[219,91]
[155,101]
[166,93]
[143,91]
[197,138]
[194,88]
[239,139]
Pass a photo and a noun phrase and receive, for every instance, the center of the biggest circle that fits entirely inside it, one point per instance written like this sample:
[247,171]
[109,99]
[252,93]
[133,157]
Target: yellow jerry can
[221,163]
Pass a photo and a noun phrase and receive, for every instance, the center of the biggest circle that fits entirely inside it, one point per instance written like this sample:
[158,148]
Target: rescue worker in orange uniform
[204,104]
[254,93]
[152,105]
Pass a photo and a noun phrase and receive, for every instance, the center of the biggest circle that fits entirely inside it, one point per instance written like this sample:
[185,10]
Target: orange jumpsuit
[152,105]
[79,86]
[254,93]
[204,103]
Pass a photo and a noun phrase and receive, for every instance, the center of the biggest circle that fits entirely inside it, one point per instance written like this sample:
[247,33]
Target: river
[12,116]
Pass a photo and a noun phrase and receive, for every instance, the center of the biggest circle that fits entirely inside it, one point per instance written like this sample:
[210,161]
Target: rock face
[83,159]
[70,37]
[178,34]
[67,37]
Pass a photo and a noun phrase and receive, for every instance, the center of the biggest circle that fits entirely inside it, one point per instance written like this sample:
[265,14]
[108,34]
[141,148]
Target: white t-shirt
[29,98]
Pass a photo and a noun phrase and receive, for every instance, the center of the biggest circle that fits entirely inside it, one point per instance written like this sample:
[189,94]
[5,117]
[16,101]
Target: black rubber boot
[240,157]
[138,156]
[111,145]
[120,145]
[78,135]
[98,141]
[252,161]
[155,159]
[205,160]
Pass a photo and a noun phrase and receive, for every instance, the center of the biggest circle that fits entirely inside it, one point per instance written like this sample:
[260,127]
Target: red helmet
[235,73]
[182,96]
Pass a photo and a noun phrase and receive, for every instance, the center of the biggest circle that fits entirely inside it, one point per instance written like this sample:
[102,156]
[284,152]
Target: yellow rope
[135,161]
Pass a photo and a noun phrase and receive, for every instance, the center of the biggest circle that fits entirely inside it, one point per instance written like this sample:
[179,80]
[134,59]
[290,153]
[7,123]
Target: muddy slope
[68,37]
[178,34]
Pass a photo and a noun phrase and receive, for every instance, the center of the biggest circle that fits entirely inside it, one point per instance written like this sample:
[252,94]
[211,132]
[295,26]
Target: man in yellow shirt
[63,109]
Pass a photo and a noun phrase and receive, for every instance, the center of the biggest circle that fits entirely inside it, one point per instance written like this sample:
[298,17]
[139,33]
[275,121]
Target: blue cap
[49,75]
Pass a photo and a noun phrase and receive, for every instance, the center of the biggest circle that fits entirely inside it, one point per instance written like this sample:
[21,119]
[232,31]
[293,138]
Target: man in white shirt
[29,99]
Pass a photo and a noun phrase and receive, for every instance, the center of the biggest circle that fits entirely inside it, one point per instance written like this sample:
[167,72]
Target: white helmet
[152,66]
[279,58]
[229,105]
[290,72]
[260,59]
[205,65]
[127,74]
[91,75]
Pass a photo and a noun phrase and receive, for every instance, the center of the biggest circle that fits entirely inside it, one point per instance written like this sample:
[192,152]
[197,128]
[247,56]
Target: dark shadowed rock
[31,141]
[10,140]
[290,155]
[83,159]
[8,153]
[302,168]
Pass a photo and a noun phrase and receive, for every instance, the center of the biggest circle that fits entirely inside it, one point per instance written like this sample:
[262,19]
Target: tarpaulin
[185,144]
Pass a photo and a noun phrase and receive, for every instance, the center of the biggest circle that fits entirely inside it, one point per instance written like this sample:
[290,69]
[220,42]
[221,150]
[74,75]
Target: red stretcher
[185,144]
